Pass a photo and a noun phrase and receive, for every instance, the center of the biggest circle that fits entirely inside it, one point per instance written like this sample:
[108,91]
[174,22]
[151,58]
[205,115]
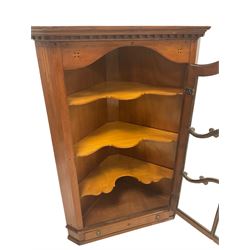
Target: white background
[31,212]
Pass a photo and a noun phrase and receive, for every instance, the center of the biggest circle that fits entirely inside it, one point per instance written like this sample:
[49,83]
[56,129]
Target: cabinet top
[99,33]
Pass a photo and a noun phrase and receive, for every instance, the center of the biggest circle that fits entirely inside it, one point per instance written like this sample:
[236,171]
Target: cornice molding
[55,34]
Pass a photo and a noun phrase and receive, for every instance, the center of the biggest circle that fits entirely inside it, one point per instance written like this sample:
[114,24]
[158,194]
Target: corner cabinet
[119,103]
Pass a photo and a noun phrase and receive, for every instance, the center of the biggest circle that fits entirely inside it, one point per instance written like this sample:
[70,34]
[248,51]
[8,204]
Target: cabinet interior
[125,107]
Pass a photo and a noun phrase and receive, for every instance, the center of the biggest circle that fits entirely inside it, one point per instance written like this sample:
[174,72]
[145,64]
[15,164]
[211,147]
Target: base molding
[98,232]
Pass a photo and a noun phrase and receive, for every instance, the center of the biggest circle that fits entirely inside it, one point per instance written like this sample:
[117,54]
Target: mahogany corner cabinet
[120,103]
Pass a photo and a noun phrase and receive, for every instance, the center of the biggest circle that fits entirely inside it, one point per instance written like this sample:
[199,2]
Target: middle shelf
[103,178]
[120,90]
[120,135]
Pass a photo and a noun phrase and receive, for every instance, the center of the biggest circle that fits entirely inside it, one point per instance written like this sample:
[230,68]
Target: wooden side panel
[51,70]
[194,51]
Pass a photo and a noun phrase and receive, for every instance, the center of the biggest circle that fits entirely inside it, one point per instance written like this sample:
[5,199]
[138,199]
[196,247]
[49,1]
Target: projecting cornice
[105,33]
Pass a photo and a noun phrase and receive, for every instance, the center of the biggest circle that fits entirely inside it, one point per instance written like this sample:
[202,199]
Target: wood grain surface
[103,178]
[121,135]
[121,91]
[105,137]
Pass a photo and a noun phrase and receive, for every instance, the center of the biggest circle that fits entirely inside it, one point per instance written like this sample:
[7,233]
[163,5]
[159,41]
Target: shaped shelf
[102,179]
[121,135]
[119,90]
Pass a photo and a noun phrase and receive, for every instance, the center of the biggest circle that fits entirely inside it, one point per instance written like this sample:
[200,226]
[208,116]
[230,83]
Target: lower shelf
[129,198]
[103,178]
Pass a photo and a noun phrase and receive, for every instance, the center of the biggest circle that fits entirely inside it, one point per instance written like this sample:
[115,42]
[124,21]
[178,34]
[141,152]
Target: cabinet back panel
[153,111]
[86,118]
[138,64]
[144,65]
[80,79]
[86,164]
[159,153]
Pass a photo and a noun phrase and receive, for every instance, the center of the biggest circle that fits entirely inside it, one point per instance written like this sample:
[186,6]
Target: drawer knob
[157,217]
[98,233]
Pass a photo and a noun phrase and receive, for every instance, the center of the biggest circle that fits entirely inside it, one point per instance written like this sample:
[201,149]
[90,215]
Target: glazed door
[193,72]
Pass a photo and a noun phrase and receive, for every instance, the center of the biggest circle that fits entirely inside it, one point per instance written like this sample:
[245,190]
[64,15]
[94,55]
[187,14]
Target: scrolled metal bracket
[212,132]
[204,180]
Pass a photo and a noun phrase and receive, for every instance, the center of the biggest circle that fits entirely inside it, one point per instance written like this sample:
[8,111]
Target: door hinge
[189,91]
